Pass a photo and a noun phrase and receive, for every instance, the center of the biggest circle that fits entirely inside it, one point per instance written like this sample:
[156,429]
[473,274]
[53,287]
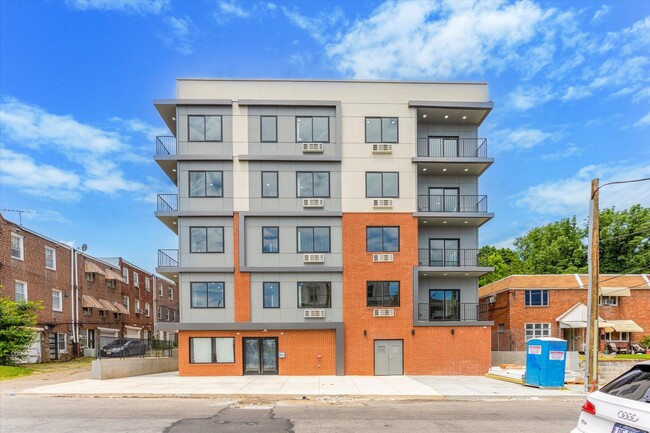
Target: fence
[111,347]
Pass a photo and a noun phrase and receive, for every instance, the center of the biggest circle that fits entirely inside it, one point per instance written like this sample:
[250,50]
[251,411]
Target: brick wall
[242,281]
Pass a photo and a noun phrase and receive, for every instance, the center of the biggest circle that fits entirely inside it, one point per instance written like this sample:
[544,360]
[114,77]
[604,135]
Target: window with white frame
[57,300]
[125,302]
[90,277]
[21,291]
[171,293]
[125,275]
[212,350]
[111,284]
[160,290]
[136,306]
[136,279]
[147,284]
[87,311]
[618,336]
[17,247]
[50,258]
[608,301]
[62,342]
[160,314]
[537,330]
[102,314]
[147,309]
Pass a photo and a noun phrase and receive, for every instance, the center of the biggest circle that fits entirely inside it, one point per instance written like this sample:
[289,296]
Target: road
[35,414]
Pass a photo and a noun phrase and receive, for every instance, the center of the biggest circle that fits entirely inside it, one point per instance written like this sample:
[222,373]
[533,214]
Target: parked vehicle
[124,348]
[622,406]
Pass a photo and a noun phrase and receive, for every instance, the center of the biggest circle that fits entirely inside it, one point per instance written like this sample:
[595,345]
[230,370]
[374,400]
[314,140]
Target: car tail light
[589,407]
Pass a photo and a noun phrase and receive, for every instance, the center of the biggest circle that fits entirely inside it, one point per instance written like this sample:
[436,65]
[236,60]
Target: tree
[505,262]
[625,240]
[16,318]
[556,248]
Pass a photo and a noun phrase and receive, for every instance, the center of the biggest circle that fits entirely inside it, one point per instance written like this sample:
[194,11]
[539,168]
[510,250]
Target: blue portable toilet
[545,362]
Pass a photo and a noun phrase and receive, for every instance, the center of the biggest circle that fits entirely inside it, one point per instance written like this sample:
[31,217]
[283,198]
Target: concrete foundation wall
[127,367]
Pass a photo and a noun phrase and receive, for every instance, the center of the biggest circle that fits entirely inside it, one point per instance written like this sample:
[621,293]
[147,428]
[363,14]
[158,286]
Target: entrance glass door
[260,355]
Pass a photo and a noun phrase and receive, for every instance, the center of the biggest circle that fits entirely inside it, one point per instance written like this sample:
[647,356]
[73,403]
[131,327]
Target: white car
[621,406]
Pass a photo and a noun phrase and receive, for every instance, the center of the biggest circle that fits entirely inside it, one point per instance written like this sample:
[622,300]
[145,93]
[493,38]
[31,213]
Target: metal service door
[388,357]
[260,356]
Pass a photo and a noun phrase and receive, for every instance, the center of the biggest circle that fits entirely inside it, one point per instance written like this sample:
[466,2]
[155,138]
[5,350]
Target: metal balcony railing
[448,258]
[443,147]
[452,312]
[165,145]
[167,202]
[167,258]
[452,203]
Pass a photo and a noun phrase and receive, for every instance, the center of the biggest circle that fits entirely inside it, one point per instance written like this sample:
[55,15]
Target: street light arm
[618,182]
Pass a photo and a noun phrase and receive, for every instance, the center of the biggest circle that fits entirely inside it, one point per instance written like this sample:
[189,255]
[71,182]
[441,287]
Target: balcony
[167,210]
[453,210]
[452,312]
[452,156]
[168,264]
[451,262]
[166,151]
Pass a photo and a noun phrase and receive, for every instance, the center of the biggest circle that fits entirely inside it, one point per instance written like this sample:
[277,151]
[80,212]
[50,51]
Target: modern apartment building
[326,227]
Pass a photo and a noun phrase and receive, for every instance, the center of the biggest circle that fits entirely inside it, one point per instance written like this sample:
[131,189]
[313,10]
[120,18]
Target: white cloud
[523,138]
[644,121]
[600,13]
[525,98]
[570,150]
[141,7]
[179,35]
[322,28]
[231,8]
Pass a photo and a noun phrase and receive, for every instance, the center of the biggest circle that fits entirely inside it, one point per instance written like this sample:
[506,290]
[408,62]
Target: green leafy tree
[504,261]
[625,240]
[16,318]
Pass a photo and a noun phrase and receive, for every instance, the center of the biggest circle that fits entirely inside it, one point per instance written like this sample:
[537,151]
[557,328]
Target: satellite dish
[84,247]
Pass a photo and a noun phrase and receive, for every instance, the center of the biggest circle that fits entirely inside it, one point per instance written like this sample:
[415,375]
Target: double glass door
[444,252]
[443,200]
[260,355]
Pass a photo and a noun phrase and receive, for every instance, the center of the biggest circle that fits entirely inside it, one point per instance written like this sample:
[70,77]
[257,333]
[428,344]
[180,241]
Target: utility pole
[593,334]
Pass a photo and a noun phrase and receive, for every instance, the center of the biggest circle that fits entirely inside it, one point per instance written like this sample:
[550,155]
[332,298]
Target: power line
[618,182]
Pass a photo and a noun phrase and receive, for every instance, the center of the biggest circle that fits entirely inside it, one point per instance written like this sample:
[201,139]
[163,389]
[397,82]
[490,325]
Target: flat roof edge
[330,80]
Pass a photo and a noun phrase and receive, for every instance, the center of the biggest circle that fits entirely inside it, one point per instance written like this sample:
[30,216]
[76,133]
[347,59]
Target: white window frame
[21,246]
[90,277]
[53,251]
[125,275]
[147,284]
[171,293]
[87,311]
[147,309]
[62,342]
[24,294]
[60,306]
[610,301]
[538,330]
[623,337]
[126,301]
[136,279]
[136,305]
[161,292]
[103,314]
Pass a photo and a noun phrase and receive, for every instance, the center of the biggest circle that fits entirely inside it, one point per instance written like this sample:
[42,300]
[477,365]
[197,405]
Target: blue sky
[570,83]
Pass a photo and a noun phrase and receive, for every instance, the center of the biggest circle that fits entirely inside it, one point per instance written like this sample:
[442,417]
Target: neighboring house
[527,306]
[166,306]
[326,227]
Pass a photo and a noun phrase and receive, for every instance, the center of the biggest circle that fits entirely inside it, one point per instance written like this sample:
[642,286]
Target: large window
[271,295]
[382,239]
[268,129]
[617,336]
[444,305]
[207,295]
[313,239]
[383,293]
[206,239]
[17,248]
[206,184]
[608,301]
[269,184]
[537,330]
[314,294]
[536,298]
[57,300]
[313,184]
[204,128]
[315,129]
[50,258]
[212,350]
[270,239]
[21,291]
[382,184]
[381,129]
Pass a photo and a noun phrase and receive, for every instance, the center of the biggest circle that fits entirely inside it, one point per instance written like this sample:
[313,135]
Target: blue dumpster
[545,362]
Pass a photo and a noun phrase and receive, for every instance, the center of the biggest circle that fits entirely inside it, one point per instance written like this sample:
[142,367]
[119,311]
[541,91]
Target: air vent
[382,148]
[314,314]
[313,202]
[383,312]
[382,203]
[382,258]
[312,147]
[313,258]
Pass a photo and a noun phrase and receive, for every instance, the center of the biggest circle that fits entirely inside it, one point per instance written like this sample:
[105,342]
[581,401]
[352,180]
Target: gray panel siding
[468,287]
[215,204]
[468,236]
[199,315]
[206,260]
[467,185]
[187,148]
[446,130]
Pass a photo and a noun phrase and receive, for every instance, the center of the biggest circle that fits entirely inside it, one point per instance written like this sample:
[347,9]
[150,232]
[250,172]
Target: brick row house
[528,306]
[326,227]
[86,301]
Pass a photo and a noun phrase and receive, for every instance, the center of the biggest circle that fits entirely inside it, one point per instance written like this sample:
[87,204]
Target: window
[90,277]
[382,184]
[537,330]
[171,293]
[313,184]
[314,294]
[136,279]
[536,298]
[160,290]
[212,350]
[21,291]
[87,311]
[502,327]
[62,340]
[312,129]
[125,302]
[608,301]
[147,309]
[204,128]
[160,312]
[125,275]
[111,284]
[313,239]
[381,129]
[382,293]
[206,183]
[207,295]
[269,184]
[382,239]
[102,314]
[444,305]
[50,258]
[206,239]
[17,247]
[57,300]
[271,295]
[136,306]
[147,285]
[268,129]
[617,336]
[270,239]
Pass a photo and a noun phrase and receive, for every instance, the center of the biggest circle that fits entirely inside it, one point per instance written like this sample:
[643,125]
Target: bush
[645,342]
[16,318]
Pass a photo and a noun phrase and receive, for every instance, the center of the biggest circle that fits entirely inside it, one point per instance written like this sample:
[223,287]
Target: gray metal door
[388,357]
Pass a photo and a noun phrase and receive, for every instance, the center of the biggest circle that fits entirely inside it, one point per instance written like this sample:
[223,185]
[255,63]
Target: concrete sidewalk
[428,387]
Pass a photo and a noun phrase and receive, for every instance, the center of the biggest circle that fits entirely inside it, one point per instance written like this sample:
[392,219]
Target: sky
[570,82]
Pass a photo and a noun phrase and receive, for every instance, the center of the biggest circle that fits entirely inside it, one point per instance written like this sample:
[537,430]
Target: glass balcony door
[443,147]
[444,305]
[443,199]
[444,252]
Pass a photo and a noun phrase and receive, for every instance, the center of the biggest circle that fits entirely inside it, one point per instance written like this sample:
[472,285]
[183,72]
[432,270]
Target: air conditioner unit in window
[313,202]
[138,311]
[312,147]
[382,148]
[382,203]
[383,312]
[315,314]
[313,258]
[378,258]
[492,299]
